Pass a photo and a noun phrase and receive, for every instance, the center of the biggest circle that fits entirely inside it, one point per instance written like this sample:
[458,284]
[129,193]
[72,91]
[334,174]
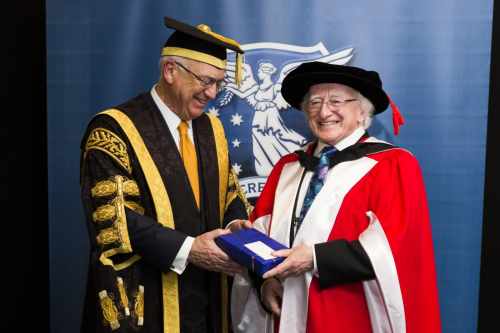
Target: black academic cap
[298,82]
[200,43]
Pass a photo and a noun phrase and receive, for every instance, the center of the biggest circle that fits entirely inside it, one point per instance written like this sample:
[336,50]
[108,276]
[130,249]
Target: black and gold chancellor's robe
[139,208]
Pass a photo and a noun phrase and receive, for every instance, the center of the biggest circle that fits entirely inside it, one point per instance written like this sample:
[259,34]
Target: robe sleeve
[341,261]
[120,229]
[398,242]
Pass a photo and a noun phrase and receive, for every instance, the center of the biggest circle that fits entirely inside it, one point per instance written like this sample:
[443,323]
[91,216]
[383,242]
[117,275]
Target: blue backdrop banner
[433,57]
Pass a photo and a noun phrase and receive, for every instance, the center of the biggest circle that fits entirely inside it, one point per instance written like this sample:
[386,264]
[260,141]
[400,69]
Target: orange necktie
[188,154]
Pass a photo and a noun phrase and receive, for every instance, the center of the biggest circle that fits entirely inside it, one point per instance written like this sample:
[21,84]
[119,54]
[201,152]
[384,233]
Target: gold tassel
[139,306]
[239,68]
[239,57]
[123,295]
[109,310]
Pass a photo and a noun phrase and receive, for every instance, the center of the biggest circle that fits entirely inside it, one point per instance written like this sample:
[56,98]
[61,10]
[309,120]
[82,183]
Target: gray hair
[366,107]
[368,110]
[164,59]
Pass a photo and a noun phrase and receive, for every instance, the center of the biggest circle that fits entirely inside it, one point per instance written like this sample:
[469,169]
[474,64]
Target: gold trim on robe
[171,316]
[108,142]
[223,161]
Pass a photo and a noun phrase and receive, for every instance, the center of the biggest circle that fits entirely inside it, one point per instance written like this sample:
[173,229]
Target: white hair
[367,108]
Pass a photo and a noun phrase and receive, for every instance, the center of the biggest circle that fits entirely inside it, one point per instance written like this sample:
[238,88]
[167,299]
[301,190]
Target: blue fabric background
[433,57]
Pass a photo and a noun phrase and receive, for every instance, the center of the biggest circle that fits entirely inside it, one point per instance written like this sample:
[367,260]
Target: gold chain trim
[108,236]
[104,213]
[233,181]
[139,306]
[108,142]
[109,311]
[123,295]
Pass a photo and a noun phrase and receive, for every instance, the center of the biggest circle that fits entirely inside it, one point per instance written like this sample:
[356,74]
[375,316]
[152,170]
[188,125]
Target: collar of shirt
[344,143]
[170,117]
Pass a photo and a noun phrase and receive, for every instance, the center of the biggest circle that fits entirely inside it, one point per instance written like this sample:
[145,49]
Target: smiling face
[187,97]
[333,112]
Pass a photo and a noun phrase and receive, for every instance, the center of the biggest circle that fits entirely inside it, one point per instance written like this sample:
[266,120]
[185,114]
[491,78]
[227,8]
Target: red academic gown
[378,200]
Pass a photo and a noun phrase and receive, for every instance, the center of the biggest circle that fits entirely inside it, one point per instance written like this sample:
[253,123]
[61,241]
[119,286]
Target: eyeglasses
[316,104]
[205,81]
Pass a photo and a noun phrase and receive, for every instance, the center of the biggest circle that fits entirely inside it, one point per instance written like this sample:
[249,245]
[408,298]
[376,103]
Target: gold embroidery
[135,207]
[240,192]
[130,187]
[139,306]
[163,208]
[108,212]
[123,295]
[107,236]
[223,163]
[127,263]
[107,188]
[109,311]
[103,188]
[104,213]
[108,142]
[121,217]
[115,210]
[118,232]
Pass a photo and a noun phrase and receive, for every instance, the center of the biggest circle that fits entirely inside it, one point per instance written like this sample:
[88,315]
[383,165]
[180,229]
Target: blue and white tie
[316,183]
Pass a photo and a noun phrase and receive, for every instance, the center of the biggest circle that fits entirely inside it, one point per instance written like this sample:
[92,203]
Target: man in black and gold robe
[157,189]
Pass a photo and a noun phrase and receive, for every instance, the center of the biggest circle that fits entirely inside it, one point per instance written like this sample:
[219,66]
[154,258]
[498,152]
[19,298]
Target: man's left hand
[299,260]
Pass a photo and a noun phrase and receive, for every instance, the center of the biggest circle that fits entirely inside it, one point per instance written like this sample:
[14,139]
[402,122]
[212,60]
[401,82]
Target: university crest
[260,125]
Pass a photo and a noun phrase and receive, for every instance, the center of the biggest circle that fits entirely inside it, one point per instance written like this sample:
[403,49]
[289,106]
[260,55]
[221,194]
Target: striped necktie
[188,154]
[316,183]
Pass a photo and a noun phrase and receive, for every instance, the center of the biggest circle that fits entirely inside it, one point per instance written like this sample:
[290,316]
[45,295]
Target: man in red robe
[361,254]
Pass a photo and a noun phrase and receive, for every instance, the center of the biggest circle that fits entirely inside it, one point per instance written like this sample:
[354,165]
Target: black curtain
[489,285]
[24,224]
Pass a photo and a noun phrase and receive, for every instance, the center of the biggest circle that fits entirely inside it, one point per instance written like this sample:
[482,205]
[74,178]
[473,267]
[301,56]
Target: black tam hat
[200,43]
[297,83]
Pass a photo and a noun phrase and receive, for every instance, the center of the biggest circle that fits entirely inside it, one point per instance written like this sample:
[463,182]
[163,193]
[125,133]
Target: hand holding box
[252,249]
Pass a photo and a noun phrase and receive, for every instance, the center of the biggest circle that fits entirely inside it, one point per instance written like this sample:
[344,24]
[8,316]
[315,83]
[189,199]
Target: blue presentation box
[251,248]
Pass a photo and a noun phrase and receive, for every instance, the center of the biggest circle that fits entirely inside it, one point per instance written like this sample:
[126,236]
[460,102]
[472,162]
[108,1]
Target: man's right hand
[237,225]
[206,254]
[271,293]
